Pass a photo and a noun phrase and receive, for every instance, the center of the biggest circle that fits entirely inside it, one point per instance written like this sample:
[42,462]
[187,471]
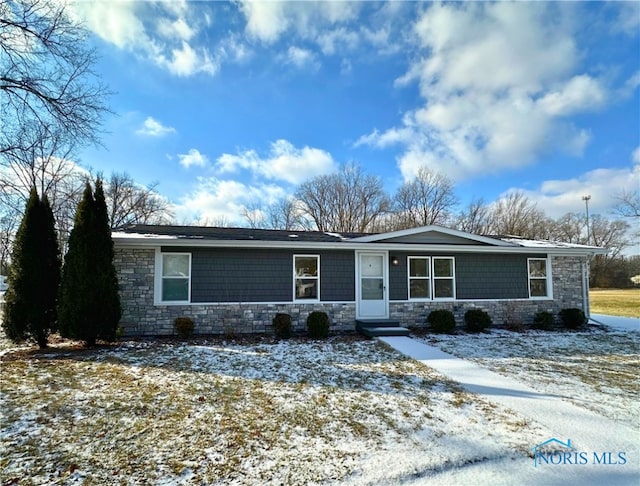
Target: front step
[380,327]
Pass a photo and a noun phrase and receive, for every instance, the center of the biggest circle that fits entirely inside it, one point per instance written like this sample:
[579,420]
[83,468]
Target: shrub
[543,320]
[282,326]
[442,321]
[572,318]
[476,320]
[184,327]
[318,325]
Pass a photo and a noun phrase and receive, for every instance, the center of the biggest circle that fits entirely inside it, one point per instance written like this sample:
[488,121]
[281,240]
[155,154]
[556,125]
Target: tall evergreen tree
[75,307]
[30,300]
[89,302]
[107,304]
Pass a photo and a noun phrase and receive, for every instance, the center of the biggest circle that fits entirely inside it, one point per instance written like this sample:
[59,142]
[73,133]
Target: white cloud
[628,19]
[154,128]
[268,21]
[558,197]
[499,81]
[213,199]
[284,162]
[581,93]
[301,58]
[265,20]
[178,29]
[635,155]
[185,61]
[193,157]
[165,41]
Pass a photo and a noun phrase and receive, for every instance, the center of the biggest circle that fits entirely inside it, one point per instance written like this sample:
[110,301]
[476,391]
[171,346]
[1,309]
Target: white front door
[371,285]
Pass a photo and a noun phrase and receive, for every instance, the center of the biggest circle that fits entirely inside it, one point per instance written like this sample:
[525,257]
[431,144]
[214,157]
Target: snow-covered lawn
[343,411]
[596,369]
[297,412]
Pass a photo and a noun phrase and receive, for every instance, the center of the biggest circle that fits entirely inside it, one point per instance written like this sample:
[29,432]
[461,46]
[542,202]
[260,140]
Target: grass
[211,412]
[615,302]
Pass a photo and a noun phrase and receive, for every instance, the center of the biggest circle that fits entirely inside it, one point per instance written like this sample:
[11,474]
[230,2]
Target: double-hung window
[538,278]
[444,278]
[431,278]
[419,277]
[175,277]
[306,277]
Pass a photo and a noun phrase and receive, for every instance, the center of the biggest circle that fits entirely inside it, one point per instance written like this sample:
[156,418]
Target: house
[234,280]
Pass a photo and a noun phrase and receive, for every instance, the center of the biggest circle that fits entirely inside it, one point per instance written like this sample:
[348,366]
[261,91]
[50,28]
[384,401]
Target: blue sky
[229,104]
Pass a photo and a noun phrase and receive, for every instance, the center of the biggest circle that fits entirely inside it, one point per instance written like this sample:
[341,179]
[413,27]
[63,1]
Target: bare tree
[628,204]
[46,75]
[43,163]
[287,214]
[348,201]
[515,214]
[131,203]
[570,228]
[474,218]
[426,200]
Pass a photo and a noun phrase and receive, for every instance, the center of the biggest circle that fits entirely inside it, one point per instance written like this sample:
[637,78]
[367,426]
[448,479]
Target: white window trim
[159,278]
[296,277]
[428,279]
[452,277]
[547,277]
[432,278]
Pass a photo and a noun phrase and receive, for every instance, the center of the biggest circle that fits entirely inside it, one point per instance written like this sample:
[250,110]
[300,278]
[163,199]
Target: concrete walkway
[587,430]
[617,322]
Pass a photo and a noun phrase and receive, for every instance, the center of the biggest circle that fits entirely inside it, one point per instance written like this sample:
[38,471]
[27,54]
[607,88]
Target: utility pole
[586,203]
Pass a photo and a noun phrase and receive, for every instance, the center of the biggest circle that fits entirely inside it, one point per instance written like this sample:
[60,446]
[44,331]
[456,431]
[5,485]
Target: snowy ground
[594,369]
[344,411]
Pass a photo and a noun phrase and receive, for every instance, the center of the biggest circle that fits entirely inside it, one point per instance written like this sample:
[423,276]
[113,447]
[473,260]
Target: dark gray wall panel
[491,276]
[478,276]
[263,275]
[337,276]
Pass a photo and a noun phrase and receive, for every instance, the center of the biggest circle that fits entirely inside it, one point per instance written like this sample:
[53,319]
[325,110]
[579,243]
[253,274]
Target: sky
[225,105]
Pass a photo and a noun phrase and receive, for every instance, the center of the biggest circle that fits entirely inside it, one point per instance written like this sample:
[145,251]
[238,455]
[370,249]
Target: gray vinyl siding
[478,276]
[255,275]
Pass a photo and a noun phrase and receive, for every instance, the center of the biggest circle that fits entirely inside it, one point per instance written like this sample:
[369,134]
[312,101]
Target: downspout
[585,287]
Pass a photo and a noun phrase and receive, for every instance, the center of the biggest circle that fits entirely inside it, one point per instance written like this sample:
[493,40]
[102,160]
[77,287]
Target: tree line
[351,201]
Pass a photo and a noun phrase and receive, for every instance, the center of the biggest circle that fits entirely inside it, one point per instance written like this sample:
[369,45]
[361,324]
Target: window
[306,277]
[431,278]
[443,278]
[176,277]
[538,281]
[419,278]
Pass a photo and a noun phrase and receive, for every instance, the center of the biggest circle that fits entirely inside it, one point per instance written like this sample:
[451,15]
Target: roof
[433,238]
[234,234]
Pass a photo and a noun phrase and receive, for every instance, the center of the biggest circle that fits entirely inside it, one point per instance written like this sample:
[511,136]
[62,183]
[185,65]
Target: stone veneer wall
[140,317]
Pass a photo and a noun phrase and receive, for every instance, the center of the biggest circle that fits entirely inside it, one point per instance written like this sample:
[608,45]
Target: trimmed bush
[572,318]
[476,320]
[282,326]
[442,321]
[543,320]
[184,327]
[318,325]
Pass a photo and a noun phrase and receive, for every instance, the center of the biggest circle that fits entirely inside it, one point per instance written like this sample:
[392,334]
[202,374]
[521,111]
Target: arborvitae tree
[30,300]
[51,264]
[75,307]
[89,302]
[107,309]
